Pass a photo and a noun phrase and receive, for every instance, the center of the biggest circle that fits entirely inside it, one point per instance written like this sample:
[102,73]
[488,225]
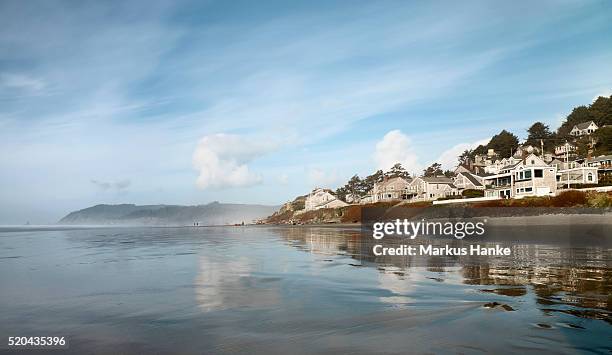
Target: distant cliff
[214,213]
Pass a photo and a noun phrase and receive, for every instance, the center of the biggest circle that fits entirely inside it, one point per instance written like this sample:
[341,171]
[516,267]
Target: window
[528,174]
[590,177]
[538,173]
[532,162]
[528,189]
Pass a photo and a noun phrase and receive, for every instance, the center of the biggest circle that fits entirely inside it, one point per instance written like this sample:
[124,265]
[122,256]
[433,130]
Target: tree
[465,157]
[397,170]
[601,111]
[603,136]
[369,181]
[578,115]
[480,150]
[354,186]
[434,169]
[504,143]
[449,173]
[341,193]
[537,133]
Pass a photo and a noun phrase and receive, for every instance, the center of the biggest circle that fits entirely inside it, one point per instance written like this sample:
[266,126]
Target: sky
[179,102]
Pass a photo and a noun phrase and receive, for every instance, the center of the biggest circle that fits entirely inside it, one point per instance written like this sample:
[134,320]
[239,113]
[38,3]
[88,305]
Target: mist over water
[300,290]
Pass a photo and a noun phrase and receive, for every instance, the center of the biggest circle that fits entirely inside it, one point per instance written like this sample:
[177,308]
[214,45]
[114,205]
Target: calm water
[296,290]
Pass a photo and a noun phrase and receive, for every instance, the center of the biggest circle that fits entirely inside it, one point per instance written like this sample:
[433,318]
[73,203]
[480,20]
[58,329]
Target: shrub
[571,198]
[471,193]
[599,200]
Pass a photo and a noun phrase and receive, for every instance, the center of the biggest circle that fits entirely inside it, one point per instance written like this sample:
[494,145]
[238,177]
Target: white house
[525,150]
[603,164]
[495,167]
[432,188]
[565,149]
[530,176]
[322,198]
[584,129]
[390,189]
[577,175]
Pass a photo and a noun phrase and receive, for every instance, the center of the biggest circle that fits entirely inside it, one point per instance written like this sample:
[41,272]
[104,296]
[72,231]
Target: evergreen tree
[434,169]
[397,170]
[504,143]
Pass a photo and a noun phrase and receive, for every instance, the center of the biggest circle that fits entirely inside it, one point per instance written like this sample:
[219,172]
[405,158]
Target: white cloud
[222,160]
[396,147]
[21,82]
[449,157]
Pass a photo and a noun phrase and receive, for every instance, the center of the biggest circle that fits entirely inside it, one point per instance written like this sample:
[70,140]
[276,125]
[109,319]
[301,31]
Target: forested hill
[128,214]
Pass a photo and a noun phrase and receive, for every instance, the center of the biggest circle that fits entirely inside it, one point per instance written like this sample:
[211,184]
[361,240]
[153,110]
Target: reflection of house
[467,180]
[426,188]
[529,177]
[584,129]
[322,198]
[395,188]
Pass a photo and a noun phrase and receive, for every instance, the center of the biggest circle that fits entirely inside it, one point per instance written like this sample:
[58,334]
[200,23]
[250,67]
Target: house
[577,175]
[495,167]
[524,150]
[566,149]
[467,180]
[395,188]
[432,188]
[322,198]
[531,176]
[461,169]
[583,129]
[603,164]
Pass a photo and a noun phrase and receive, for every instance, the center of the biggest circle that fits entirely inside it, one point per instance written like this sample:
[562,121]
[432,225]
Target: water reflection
[227,284]
[574,279]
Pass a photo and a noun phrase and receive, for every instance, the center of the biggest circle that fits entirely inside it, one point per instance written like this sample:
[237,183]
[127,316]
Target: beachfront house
[530,176]
[583,175]
[395,188]
[322,198]
[430,188]
[583,129]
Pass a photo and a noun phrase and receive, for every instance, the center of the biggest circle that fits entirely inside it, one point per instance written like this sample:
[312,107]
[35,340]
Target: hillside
[214,213]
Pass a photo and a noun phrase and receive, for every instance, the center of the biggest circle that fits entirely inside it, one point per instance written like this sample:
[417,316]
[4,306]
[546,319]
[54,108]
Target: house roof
[393,179]
[510,166]
[472,179]
[584,125]
[600,158]
[437,179]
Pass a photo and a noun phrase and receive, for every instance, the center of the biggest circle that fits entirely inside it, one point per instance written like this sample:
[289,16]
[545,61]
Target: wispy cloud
[21,82]
[115,186]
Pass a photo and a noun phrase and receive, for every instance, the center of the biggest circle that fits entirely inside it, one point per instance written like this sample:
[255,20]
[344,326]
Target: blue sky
[256,102]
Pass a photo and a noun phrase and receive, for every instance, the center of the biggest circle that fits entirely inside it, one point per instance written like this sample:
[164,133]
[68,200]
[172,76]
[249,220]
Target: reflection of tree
[576,276]
[558,274]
